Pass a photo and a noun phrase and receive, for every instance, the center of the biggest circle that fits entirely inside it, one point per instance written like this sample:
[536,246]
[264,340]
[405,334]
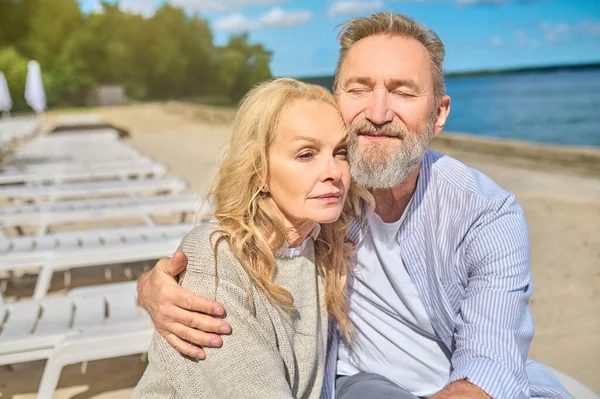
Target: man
[440,294]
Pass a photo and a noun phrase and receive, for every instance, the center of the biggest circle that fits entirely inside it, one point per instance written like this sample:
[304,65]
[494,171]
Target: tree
[245,65]
[202,68]
[51,23]
[15,21]
[169,55]
[14,67]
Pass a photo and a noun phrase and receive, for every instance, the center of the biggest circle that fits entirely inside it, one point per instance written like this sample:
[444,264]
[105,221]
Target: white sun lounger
[108,188]
[79,172]
[45,215]
[98,247]
[62,141]
[79,119]
[76,146]
[18,126]
[60,166]
[88,323]
[15,130]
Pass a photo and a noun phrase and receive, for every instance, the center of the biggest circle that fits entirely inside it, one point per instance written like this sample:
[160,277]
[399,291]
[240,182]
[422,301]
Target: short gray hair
[387,23]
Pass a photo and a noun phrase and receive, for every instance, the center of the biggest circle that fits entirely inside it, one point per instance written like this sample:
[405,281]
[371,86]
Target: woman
[276,256]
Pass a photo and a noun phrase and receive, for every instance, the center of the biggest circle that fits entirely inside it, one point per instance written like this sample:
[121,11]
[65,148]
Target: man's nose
[379,111]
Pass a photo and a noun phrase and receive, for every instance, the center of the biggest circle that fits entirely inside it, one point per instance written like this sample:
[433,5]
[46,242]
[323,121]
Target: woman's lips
[328,198]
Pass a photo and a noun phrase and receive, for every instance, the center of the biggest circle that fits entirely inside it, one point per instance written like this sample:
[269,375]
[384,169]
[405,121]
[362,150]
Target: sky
[478,34]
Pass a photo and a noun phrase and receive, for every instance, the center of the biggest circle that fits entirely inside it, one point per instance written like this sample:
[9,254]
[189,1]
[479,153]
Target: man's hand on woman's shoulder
[187,321]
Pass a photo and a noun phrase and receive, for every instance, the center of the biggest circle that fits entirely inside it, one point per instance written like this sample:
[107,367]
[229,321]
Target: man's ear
[441,115]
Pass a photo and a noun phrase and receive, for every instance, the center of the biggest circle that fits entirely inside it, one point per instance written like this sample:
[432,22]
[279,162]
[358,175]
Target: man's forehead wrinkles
[390,81]
[360,79]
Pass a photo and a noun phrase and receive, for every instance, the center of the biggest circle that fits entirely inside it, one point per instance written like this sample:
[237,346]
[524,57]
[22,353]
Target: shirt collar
[286,252]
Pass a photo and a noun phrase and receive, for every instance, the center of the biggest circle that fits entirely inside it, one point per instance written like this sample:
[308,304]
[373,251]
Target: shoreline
[579,160]
[502,71]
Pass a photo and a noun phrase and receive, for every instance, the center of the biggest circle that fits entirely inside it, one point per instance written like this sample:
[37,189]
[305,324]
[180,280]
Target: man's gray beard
[378,167]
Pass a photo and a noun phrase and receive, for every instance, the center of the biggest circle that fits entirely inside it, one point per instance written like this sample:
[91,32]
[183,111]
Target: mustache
[386,129]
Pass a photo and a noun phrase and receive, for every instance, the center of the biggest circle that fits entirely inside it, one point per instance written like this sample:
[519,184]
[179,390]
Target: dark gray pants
[369,385]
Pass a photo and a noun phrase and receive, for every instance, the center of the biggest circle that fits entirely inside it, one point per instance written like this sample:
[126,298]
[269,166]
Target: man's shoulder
[472,210]
[457,178]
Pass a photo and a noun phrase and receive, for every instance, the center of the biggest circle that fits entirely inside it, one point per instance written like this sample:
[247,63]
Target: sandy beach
[558,188]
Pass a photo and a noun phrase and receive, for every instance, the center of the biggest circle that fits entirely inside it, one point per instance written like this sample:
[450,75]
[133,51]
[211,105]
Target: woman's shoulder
[209,254]
[199,237]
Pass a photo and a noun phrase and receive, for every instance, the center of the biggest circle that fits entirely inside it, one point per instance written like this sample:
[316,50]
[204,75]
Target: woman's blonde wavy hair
[249,220]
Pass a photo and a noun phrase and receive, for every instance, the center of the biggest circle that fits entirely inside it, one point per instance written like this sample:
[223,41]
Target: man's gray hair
[387,23]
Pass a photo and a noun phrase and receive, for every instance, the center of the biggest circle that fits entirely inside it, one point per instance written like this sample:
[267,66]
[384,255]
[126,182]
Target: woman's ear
[265,187]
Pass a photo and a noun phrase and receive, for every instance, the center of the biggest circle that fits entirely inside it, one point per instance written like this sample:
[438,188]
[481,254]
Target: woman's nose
[332,171]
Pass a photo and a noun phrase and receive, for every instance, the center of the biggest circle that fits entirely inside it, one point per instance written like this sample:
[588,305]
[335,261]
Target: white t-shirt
[393,333]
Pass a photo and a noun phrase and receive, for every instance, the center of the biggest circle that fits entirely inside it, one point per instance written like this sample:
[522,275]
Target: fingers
[142,287]
[163,291]
[203,323]
[192,327]
[190,301]
[183,347]
[186,340]
[169,267]
[183,318]
[153,284]
[197,337]
[177,264]
[170,317]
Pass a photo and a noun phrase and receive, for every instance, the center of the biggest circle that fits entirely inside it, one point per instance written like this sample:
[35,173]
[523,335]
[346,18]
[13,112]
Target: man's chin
[386,147]
[376,158]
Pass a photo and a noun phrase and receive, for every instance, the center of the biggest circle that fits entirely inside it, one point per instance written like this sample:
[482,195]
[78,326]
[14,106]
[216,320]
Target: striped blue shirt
[465,246]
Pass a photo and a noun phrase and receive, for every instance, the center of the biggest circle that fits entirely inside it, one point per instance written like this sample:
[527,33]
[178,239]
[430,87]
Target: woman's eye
[342,153]
[305,155]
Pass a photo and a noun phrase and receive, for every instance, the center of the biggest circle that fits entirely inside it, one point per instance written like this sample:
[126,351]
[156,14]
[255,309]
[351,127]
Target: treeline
[170,55]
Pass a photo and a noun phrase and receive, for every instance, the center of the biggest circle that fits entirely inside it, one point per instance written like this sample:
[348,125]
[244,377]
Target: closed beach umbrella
[34,87]
[5,100]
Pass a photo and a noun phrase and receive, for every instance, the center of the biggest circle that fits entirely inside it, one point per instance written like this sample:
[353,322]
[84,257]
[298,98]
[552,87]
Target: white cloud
[561,32]
[256,2]
[200,5]
[493,2]
[591,28]
[96,7]
[274,18]
[496,41]
[522,40]
[422,1]
[471,2]
[352,7]
[554,32]
[220,5]
[145,8]
[277,17]
[474,2]
[236,23]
